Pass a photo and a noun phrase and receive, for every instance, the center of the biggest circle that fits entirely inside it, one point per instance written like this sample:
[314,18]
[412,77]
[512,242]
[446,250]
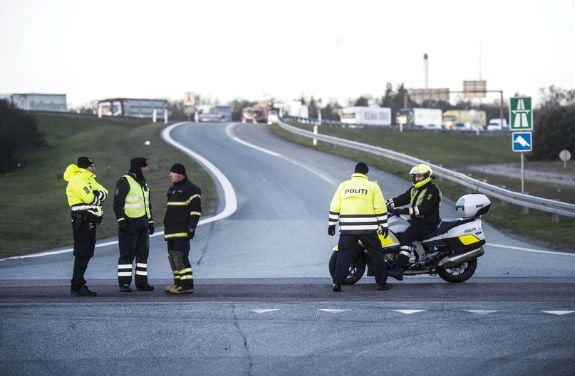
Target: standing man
[424,199]
[134,213]
[85,197]
[182,216]
[359,206]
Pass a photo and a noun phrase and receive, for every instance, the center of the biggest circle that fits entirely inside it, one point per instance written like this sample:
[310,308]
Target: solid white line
[230,133]
[229,197]
[530,250]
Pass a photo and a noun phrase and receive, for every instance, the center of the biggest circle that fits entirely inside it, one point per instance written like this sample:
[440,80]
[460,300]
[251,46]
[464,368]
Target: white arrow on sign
[521,141]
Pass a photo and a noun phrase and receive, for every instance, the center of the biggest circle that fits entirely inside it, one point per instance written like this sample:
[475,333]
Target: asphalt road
[263,303]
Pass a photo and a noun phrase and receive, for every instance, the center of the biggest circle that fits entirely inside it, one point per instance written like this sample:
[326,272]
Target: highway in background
[263,302]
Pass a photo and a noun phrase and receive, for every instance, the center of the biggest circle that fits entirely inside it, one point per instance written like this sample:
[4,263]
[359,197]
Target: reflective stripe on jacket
[358,205]
[80,190]
[184,209]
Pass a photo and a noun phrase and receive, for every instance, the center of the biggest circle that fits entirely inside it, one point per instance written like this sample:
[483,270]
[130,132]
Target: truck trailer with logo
[380,116]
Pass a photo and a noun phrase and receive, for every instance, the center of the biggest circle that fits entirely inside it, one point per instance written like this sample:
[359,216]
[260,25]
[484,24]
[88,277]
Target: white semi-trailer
[366,115]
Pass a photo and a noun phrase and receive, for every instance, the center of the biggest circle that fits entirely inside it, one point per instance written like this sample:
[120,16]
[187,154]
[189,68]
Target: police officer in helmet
[421,201]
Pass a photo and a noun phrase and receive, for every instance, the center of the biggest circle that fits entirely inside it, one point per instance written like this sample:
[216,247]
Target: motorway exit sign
[520,114]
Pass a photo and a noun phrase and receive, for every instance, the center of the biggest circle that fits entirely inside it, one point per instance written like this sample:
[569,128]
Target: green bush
[553,131]
[18,134]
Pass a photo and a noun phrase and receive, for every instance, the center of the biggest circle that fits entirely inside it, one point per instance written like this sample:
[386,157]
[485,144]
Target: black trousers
[417,231]
[347,246]
[178,255]
[134,243]
[84,231]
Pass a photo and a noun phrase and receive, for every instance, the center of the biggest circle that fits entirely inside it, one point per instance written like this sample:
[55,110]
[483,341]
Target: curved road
[263,303]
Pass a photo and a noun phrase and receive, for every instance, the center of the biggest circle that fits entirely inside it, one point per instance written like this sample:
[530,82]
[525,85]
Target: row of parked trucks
[429,118]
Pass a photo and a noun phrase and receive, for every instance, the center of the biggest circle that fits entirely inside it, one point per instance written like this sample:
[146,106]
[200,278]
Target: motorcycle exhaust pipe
[451,261]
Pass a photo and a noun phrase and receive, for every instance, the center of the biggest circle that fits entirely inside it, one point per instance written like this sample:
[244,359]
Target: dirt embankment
[543,172]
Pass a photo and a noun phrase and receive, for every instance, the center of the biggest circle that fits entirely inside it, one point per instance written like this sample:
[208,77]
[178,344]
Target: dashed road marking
[558,313]
[330,310]
[265,310]
[409,311]
[480,311]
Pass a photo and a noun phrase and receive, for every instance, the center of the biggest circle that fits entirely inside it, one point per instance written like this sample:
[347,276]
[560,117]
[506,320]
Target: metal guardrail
[521,199]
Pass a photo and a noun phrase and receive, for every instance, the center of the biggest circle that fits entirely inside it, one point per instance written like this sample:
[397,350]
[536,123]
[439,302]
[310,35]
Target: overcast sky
[226,49]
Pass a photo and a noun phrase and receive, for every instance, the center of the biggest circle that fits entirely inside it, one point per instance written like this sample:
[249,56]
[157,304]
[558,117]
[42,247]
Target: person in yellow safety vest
[85,198]
[135,225]
[359,207]
[182,216]
[424,199]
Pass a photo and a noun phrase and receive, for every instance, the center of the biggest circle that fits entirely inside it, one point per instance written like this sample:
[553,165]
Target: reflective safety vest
[358,205]
[137,202]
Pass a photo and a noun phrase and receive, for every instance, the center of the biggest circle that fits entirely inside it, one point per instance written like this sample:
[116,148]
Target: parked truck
[464,119]
[366,115]
[420,117]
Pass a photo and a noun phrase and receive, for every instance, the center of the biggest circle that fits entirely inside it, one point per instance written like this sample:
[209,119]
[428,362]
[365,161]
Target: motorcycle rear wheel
[460,273]
[356,269]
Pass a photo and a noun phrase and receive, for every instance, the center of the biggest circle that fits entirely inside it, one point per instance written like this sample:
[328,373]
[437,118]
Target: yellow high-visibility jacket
[80,190]
[358,205]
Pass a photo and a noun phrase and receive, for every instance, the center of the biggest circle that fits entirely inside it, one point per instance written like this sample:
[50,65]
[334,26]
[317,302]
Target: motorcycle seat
[448,224]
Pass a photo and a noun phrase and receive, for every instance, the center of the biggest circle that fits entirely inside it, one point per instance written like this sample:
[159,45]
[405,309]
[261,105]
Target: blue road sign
[522,141]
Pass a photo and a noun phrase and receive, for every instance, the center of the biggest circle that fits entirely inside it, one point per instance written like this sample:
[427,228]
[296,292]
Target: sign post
[521,123]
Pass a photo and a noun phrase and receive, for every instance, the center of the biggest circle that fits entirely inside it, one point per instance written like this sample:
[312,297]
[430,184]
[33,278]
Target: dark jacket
[184,209]
[423,202]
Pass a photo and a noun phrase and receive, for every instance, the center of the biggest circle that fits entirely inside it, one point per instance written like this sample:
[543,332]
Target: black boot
[396,272]
[145,287]
[82,291]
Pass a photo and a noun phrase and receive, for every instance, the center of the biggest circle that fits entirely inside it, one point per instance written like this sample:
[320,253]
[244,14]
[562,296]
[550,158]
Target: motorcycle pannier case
[472,205]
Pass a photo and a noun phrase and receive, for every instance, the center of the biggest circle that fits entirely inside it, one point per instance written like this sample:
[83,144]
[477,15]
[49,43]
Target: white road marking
[480,311]
[230,133]
[558,313]
[330,310]
[264,310]
[409,311]
[530,250]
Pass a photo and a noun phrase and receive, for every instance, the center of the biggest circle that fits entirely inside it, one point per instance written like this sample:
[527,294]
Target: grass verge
[455,151]
[35,214]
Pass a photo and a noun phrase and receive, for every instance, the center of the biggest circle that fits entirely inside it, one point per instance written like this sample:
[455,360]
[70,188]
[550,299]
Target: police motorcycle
[450,252]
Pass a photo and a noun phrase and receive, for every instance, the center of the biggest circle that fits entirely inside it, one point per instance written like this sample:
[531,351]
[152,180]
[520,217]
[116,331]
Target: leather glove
[151,228]
[383,231]
[123,225]
[191,233]
[331,230]
[398,212]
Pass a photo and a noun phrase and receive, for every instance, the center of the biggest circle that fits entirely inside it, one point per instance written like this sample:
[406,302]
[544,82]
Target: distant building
[132,107]
[39,102]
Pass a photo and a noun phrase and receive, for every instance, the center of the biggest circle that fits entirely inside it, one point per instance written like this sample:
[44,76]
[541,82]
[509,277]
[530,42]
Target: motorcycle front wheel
[355,271]
[459,273]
